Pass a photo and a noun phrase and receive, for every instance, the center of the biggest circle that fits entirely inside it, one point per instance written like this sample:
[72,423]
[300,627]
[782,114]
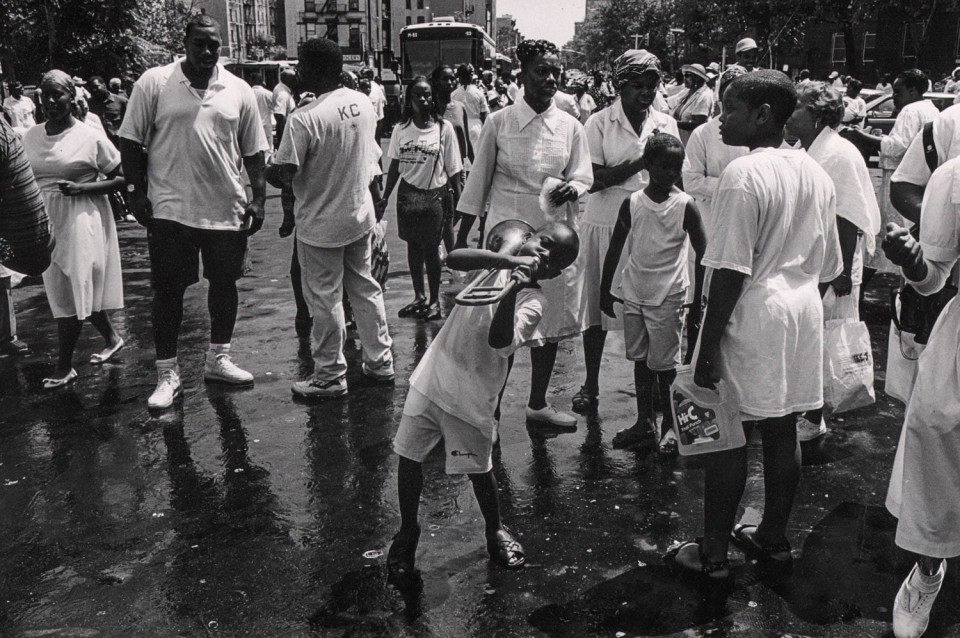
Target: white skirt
[924,491]
[594,242]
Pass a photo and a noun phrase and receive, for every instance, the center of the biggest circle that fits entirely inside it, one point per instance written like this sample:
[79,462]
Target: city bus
[424,47]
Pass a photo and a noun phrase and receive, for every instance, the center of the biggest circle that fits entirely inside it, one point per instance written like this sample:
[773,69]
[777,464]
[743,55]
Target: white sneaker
[220,369]
[383,373]
[315,389]
[808,430]
[551,416]
[911,609]
[168,389]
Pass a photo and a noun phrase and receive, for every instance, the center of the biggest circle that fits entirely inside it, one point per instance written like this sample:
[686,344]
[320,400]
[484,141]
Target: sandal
[412,308]
[585,401]
[505,550]
[402,554]
[106,354]
[669,447]
[751,545]
[713,571]
[51,383]
[429,313]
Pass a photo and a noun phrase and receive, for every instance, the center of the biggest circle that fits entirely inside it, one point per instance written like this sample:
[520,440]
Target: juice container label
[695,424]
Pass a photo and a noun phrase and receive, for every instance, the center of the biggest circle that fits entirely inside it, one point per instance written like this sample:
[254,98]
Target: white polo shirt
[331,141]
[195,142]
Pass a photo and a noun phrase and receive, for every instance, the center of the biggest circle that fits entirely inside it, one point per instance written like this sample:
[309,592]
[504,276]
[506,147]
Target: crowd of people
[698,217]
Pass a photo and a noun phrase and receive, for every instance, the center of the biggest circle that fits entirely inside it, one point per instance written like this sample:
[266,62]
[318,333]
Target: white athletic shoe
[808,430]
[551,416]
[219,368]
[384,373]
[168,389]
[314,389]
[911,609]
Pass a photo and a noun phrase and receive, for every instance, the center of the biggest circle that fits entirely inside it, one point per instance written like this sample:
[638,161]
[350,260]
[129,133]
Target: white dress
[84,276]
[924,491]
[612,141]
[518,150]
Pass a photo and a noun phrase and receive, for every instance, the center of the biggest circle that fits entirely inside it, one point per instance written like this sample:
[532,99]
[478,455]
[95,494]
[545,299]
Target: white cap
[745,45]
[833,75]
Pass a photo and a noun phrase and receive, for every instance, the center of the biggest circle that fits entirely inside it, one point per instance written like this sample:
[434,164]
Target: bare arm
[612,259]
[254,211]
[607,176]
[725,288]
[693,225]
[907,198]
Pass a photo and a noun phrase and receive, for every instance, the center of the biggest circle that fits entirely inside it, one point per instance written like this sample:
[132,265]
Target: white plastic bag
[549,210]
[847,357]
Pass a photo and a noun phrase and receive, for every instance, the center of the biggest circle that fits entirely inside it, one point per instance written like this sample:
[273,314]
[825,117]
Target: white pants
[326,272]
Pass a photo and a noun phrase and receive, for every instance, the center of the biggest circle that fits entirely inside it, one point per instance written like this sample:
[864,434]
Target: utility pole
[636,40]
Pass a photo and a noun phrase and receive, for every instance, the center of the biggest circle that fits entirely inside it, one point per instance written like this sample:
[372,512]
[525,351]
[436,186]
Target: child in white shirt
[657,221]
[454,390]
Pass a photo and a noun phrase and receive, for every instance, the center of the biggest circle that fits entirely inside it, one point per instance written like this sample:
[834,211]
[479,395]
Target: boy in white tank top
[656,222]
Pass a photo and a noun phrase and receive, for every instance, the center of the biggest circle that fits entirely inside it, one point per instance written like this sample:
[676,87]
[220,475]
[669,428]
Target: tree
[609,31]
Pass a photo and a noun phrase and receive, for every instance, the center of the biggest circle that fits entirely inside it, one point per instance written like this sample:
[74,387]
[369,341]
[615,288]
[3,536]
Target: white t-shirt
[264,106]
[656,264]
[854,108]
[913,167]
[418,152]
[587,106]
[460,372]
[20,111]
[331,141]
[474,101]
[378,98]
[283,102]
[775,221]
[911,119]
[195,144]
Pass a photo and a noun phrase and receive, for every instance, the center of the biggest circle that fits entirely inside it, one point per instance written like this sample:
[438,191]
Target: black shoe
[14,348]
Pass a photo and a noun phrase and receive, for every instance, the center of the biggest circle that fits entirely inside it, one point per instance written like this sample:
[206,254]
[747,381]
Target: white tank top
[656,265]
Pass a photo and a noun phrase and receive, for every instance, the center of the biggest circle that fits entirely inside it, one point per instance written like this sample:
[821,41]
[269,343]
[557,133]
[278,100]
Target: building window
[310,28]
[355,41]
[839,49]
[420,20]
[310,6]
[409,21]
[420,4]
[409,4]
[332,31]
[869,46]
[909,42]
[354,5]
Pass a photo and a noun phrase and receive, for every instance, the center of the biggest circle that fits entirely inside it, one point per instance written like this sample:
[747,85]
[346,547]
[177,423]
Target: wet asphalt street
[245,513]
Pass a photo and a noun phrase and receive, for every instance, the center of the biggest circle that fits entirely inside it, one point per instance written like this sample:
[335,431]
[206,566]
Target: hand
[524,260]
[707,372]
[140,207]
[523,275]
[850,133]
[563,193]
[381,208]
[842,285]
[606,303]
[253,216]
[901,248]
[70,189]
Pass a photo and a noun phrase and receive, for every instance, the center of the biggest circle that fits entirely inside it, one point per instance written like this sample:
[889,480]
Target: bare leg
[222,302]
[781,475]
[415,262]
[68,333]
[431,257]
[725,478]
[541,369]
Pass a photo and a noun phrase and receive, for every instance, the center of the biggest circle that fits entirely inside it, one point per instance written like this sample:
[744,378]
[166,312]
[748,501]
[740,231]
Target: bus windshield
[421,57]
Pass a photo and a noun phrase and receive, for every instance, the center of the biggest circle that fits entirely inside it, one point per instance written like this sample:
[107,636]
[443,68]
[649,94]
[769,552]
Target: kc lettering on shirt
[331,142]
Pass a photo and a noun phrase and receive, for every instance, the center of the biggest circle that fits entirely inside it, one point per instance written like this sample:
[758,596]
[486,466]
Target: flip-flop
[505,550]
[51,383]
[709,571]
[106,354]
[669,446]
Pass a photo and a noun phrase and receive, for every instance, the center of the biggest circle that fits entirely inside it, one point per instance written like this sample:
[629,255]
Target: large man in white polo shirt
[197,123]
[330,157]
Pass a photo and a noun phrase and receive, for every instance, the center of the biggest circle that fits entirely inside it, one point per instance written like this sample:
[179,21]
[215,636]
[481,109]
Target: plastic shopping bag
[847,357]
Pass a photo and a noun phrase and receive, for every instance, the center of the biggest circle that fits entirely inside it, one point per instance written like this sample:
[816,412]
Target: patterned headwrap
[634,63]
[731,73]
[59,78]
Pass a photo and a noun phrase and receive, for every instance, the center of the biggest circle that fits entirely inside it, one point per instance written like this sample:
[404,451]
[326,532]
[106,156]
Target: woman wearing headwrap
[697,105]
[84,281]
[814,122]
[520,148]
[616,137]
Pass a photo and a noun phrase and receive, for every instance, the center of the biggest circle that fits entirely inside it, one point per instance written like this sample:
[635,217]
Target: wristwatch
[131,188]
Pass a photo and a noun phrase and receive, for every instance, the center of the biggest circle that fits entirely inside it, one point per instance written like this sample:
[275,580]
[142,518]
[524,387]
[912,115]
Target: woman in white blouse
[697,105]
[616,137]
[521,147]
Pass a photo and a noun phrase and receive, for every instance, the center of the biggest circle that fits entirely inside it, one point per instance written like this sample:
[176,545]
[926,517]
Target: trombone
[506,237]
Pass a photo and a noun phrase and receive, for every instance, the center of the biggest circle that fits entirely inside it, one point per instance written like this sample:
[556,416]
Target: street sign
[349,57]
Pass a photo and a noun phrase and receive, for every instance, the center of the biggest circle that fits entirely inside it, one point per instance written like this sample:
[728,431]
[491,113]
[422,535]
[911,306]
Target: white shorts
[469,448]
[654,333]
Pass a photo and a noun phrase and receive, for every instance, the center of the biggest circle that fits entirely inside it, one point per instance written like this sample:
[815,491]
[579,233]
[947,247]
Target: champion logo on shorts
[459,453]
